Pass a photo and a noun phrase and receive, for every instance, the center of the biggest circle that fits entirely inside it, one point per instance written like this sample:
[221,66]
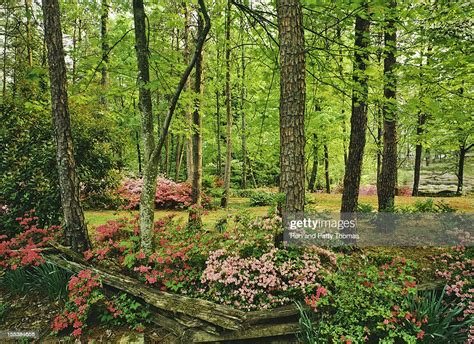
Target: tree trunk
[29,38]
[105,50]
[178,156]
[75,230]
[462,158]
[314,170]
[418,152]
[350,194]
[197,125]
[379,142]
[228,157]
[326,168]
[388,176]
[189,115]
[139,154]
[242,111]
[147,198]
[218,135]
[292,104]
[5,44]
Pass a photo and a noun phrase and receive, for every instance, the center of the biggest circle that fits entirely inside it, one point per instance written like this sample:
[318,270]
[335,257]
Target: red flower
[420,334]
[77,332]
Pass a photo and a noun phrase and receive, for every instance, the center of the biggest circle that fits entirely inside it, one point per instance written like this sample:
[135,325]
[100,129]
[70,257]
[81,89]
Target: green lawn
[329,202]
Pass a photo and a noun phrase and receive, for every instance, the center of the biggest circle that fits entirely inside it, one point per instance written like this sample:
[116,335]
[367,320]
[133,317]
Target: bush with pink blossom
[274,278]
[23,249]
[169,194]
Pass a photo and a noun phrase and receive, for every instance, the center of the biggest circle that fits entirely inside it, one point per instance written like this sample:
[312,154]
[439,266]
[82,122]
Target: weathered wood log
[254,332]
[267,315]
[222,316]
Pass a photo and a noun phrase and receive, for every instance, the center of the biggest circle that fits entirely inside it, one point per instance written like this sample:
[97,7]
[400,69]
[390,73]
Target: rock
[132,338]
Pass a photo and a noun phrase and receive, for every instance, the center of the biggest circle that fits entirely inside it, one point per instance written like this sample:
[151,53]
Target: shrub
[22,250]
[28,171]
[169,194]
[258,199]
[175,263]
[442,322]
[84,292]
[365,304]
[124,310]
[51,280]
[429,206]
[15,281]
[365,208]
[457,269]
[271,279]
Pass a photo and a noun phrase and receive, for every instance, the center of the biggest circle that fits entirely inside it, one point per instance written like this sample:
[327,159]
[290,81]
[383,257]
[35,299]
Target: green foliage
[365,208]
[28,172]
[363,303]
[16,281]
[427,206]
[441,325]
[50,280]
[4,307]
[258,199]
[47,279]
[125,310]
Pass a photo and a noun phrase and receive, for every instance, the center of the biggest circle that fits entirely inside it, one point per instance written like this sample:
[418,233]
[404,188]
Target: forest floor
[320,202]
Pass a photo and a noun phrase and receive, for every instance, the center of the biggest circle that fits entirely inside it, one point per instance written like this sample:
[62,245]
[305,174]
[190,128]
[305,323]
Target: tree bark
[228,107]
[5,45]
[147,198]
[292,104]
[29,38]
[75,229]
[139,154]
[197,126]
[326,168]
[314,170]
[462,158]
[352,175]
[104,17]
[388,175]
[242,111]
[218,135]
[189,115]
[418,152]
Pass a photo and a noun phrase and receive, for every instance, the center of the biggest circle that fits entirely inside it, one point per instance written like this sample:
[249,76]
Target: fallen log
[222,316]
[254,332]
[266,315]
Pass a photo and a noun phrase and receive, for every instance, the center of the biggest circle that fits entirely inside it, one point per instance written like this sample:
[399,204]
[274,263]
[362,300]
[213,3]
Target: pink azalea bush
[169,194]
[457,269]
[274,278]
[24,249]
[175,263]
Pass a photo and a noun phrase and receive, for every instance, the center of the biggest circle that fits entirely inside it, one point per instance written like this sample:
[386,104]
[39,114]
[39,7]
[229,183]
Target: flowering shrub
[86,296]
[84,292]
[169,194]
[22,249]
[457,269]
[174,265]
[366,304]
[271,279]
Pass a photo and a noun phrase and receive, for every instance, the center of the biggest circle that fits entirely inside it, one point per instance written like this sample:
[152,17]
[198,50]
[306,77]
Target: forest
[177,171]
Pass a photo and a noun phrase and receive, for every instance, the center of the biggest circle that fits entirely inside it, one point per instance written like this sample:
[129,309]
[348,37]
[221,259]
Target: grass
[331,202]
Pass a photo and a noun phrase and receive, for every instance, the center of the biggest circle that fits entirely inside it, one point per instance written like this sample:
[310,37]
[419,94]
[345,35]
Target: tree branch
[153,159]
